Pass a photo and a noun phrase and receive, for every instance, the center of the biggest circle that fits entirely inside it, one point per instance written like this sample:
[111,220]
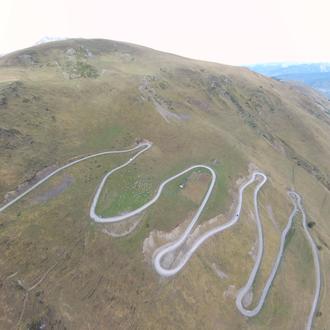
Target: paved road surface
[161,252]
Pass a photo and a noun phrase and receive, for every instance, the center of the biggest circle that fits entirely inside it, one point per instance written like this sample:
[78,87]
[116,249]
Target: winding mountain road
[161,252]
[146,146]
[316,259]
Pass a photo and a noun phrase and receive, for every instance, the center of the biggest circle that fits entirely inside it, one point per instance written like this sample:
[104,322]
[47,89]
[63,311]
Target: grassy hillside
[74,97]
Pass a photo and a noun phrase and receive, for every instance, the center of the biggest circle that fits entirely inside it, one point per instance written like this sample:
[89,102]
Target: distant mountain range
[316,75]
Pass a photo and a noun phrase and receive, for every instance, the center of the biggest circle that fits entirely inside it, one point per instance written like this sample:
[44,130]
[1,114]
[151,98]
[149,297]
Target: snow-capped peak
[49,39]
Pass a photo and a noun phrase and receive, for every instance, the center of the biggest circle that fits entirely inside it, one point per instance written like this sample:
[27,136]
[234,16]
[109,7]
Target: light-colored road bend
[127,215]
[296,200]
[317,266]
[145,146]
[161,252]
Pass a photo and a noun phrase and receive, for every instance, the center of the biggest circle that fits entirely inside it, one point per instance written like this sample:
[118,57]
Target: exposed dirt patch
[162,106]
[158,238]
[218,271]
[12,138]
[199,104]
[272,218]
[230,292]
[196,186]
[123,228]
[247,299]
[29,183]
[254,251]
[65,182]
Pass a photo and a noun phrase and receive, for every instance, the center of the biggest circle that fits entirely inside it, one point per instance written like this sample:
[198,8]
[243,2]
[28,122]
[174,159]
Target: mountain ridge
[76,97]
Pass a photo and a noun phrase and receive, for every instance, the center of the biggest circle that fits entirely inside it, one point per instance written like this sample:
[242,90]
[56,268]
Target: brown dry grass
[232,118]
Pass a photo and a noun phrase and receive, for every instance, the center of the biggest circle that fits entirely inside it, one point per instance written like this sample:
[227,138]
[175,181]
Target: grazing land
[81,97]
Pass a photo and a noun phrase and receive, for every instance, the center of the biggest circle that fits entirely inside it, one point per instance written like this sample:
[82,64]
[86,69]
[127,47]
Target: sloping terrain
[76,97]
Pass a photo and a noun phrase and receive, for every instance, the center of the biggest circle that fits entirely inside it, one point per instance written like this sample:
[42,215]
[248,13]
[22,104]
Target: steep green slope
[76,97]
